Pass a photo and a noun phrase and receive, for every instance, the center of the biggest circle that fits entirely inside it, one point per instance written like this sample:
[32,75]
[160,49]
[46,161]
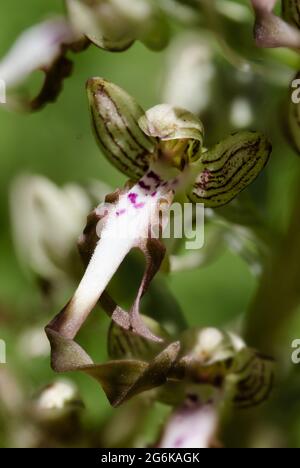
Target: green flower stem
[278,294]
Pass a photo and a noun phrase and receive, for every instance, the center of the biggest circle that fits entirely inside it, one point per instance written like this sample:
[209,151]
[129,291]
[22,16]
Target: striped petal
[229,168]
[125,344]
[253,378]
[115,117]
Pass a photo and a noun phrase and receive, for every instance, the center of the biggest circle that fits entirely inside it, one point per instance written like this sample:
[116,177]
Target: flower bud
[115,24]
[190,72]
[46,221]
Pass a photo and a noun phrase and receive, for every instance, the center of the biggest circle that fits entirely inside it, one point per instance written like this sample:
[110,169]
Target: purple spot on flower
[152,175]
[153,194]
[133,197]
[144,186]
[139,205]
[204,179]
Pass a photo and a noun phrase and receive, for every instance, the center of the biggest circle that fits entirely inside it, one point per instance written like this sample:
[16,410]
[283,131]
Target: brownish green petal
[229,167]
[115,117]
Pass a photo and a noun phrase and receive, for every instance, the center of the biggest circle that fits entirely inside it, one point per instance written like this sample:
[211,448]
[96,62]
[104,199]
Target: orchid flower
[38,207]
[112,25]
[162,153]
[273,31]
[116,24]
[42,47]
[193,425]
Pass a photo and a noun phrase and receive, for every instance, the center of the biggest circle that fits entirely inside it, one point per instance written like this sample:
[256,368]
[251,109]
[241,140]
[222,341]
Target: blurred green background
[58,143]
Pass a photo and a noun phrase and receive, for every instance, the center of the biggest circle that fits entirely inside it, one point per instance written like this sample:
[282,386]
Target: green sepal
[229,167]
[115,117]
